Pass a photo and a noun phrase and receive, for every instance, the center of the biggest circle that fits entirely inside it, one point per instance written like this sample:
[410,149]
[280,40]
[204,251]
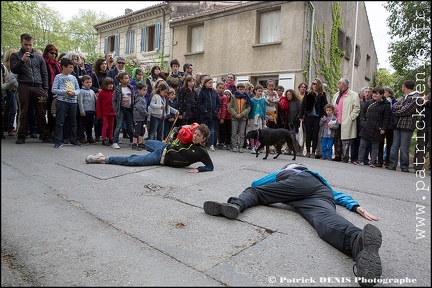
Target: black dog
[273,136]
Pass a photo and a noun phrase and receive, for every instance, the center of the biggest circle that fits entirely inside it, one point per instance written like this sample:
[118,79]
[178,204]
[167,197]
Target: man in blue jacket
[312,197]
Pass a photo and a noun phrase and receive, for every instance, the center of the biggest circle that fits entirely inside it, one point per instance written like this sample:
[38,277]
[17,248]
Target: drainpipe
[355,43]
[311,43]
[163,33]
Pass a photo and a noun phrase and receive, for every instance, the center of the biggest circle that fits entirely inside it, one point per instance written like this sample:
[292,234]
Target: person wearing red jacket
[105,110]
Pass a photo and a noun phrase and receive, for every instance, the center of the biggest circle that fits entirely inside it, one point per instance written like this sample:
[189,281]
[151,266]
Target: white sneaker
[94,158]
[212,148]
[253,150]
[115,146]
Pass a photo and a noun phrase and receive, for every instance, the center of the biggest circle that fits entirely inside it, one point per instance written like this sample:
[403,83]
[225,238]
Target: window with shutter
[117,45]
[130,41]
[144,39]
[197,44]
[269,27]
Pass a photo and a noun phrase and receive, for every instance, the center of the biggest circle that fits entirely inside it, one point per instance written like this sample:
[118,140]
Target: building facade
[289,41]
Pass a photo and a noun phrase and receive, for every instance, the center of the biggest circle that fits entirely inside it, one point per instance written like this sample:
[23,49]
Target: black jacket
[183,155]
[309,101]
[375,116]
[208,104]
[32,73]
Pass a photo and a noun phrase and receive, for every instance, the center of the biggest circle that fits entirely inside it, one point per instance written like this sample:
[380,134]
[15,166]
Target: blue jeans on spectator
[156,128]
[402,143]
[62,109]
[326,147]
[155,148]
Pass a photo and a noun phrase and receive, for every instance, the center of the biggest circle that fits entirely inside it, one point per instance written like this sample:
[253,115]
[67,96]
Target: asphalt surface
[68,223]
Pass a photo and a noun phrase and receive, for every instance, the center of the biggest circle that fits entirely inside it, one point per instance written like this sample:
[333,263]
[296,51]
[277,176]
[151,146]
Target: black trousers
[313,200]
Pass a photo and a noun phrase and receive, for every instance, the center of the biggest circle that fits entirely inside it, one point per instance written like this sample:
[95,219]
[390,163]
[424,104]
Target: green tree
[47,27]
[83,36]
[15,22]
[383,78]
[410,31]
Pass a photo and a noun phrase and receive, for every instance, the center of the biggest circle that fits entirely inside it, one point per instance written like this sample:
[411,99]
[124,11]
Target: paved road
[67,223]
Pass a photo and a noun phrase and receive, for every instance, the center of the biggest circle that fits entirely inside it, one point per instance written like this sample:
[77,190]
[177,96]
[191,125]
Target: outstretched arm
[365,214]
[348,202]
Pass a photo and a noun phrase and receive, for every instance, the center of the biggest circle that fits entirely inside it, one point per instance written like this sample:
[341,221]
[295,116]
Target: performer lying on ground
[314,199]
[176,154]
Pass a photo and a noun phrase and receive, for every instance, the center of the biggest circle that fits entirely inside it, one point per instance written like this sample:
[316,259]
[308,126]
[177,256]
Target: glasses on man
[121,63]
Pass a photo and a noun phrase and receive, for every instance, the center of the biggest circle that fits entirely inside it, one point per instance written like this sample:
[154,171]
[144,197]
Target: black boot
[230,211]
[365,253]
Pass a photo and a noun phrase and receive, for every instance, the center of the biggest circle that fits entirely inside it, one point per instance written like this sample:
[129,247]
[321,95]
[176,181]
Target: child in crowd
[220,86]
[172,102]
[123,100]
[272,102]
[137,77]
[105,110]
[66,87]
[186,101]
[240,106]
[257,116]
[87,107]
[140,114]
[224,116]
[159,109]
[329,125]
[208,104]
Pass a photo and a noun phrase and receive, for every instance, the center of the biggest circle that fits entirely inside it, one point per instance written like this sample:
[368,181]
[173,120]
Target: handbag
[299,134]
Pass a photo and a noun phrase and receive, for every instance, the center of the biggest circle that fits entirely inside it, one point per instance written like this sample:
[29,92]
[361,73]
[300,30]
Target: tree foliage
[383,78]
[410,31]
[47,27]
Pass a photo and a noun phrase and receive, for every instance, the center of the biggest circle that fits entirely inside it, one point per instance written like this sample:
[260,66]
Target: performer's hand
[365,214]
[194,170]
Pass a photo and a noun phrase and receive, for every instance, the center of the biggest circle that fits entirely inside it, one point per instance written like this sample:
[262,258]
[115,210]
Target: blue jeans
[210,122]
[402,142]
[326,147]
[62,109]
[156,128]
[155,148]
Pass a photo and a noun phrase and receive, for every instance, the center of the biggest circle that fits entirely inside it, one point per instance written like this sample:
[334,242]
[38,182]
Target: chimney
[127,11]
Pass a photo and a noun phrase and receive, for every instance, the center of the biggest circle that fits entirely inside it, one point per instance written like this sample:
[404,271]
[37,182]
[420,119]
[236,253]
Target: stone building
[289,41]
